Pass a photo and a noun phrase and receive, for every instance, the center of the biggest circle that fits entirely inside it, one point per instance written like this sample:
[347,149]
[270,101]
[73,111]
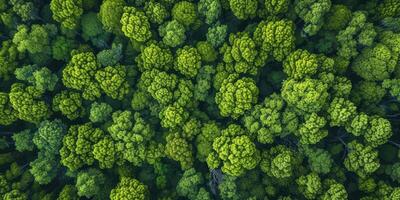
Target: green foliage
[185,13]
[188,61]
[80,73]
[67,12]
[393,85]
[336,191]
[7,114]
[188,185]
[89,183]
[154,56]
[110,14]
[100,112]
[113,81]
[23,140]
[319,160]
[236,96]
[129,132]
[308,95]
[173,33]
[110,57]
[34,39]
[337,17]
[276,38]
[156,12]
[312,130]
[312,13]
[199,100]
[358,33]
[278,162]
[48,137]
[388,8]
[135,24]
[129,188]
[235,150]
[243,9]
[310,185]
[362,159]
[69,104]
[216,35]
[42,78]
[210,10]
[27,101]
[44,168]
[78,146]
[275,7]
[375,63]
[68,192]
[178,149]
[270,119]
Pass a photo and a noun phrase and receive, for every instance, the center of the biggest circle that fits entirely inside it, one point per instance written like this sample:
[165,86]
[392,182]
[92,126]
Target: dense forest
[200,99]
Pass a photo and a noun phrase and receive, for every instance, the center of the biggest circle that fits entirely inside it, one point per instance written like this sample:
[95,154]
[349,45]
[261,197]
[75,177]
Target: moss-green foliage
[199,99]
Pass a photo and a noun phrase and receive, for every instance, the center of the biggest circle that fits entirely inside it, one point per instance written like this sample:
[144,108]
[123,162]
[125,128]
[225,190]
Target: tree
[69,103]
[110,57]
[42,78]
[154,56]
[185,13]
[336,191]
[45,168]
[7,114]
[312,130]
[135,24]
[27,101]
[341,111]
[189,184]
[312,13]
[68,192]
[173,33]
[113,81]
[130,134]
[319,160]
[235,151]
[48,137]
[129,188]
[362,159]
[34,39]
[276,38]
[78,145]
[216,34]
[279,162]
[308,95]
[210,10]
[379,55]
[67,12]
[156,12]
[236,96]
[379,131]
[100,112]
[337,17]
[393,85]
[110,14]
[209,131]
[270,119]
[178,149]
[23,140]
[243,54]
[309,185]
[188,61]
[243,9]
[80,73]
[89,183]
